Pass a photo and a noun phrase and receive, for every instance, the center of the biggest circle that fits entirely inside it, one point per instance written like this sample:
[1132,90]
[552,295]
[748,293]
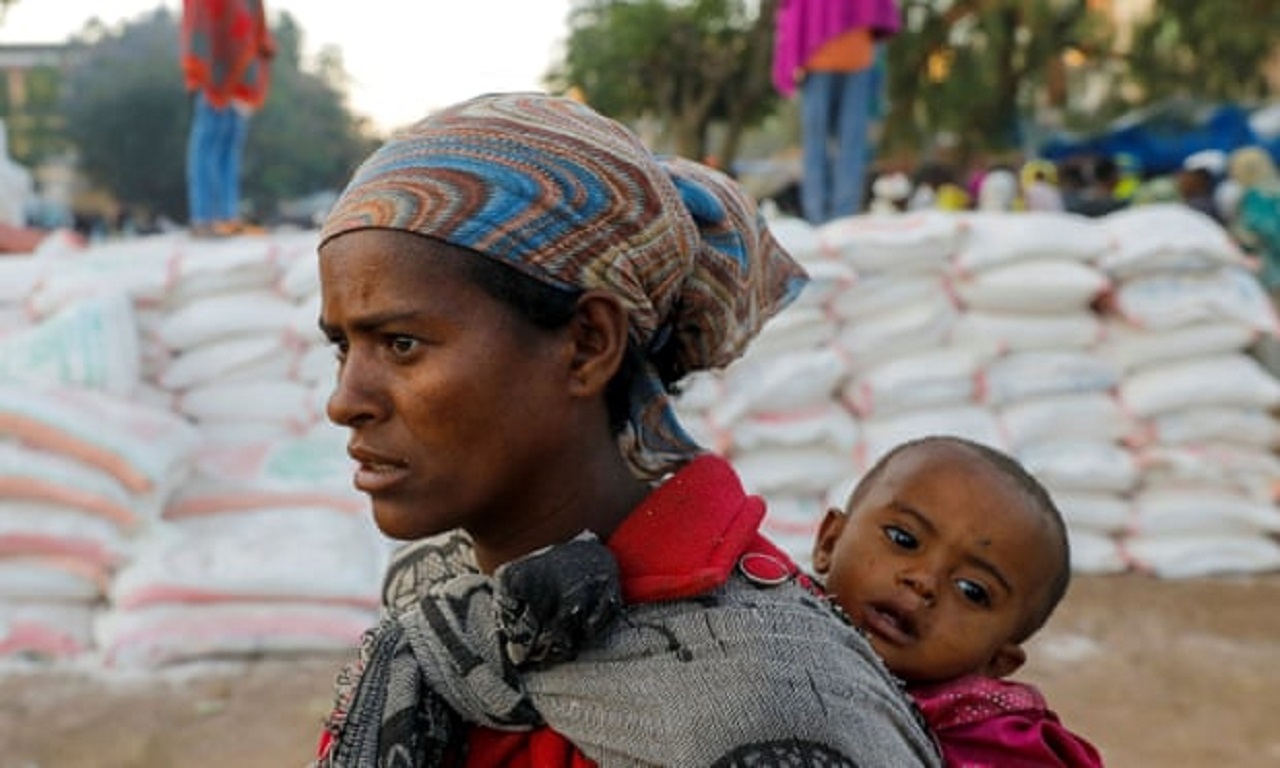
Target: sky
[405,57]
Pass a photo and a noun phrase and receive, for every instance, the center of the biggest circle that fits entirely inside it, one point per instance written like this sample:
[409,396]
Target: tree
[1216,51]
[305,138]
[686,65]
[974,68]
[127,113]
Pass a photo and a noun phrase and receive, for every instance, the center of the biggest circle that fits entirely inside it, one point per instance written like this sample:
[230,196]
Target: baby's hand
[551,601]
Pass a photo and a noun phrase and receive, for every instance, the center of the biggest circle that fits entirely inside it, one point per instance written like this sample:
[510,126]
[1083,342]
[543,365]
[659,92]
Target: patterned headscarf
[574,199]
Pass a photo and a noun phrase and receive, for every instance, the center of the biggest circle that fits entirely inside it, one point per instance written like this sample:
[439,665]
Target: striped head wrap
[574,199]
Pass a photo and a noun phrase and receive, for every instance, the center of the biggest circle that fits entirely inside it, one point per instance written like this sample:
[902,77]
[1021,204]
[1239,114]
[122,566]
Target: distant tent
[1161,136]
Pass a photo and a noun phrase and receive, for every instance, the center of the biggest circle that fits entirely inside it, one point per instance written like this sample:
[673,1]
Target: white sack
[1165,300]
[295,554]
[45,630]
[171,634]
[1087,415]
[1038,287]
[1176,556]
[999,239]
[1041,372]
[92,343]
[883,433]
[146,449]
[1165,237]
[792,382]
[928,378]
[219,316]
[1233,380]
[1080,465]
[914,242]
[1128,347]
[1022,331]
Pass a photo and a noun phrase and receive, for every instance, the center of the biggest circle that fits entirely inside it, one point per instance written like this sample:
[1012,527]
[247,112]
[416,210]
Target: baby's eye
[974,592]
[900,537]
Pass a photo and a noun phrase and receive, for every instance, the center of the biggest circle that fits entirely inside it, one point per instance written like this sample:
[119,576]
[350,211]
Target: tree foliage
[1213,51]
[127,113]
[979,69]
[690,66]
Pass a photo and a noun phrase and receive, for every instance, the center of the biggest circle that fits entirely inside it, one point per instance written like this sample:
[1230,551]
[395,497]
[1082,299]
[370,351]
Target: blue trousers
[214,148]
[835,116]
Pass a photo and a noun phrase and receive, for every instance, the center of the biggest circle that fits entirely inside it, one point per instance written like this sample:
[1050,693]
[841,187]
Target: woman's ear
[827,539]
[1008,659]
[599,332]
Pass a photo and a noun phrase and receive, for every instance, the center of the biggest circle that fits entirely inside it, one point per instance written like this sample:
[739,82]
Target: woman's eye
[339,347]
[402,345]
[900,537]
[974,592]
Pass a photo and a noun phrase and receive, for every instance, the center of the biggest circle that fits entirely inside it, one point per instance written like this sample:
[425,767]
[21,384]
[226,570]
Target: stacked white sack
[242,555]
[227,339]
[1027,283]
[1183,317]
[893,325]
[266,547]
[1019,330]
[19,275]
[84,474]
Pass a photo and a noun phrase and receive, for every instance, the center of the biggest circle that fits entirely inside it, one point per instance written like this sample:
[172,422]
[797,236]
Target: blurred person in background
[226,50]
[1039,181]
[1198,181]
[998,191]
[1256,225]
[1257,218]
[1099,194]
[827,50]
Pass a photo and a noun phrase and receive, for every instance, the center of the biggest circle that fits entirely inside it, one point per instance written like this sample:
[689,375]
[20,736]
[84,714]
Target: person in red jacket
[226,49]
[949,555]
[514,286]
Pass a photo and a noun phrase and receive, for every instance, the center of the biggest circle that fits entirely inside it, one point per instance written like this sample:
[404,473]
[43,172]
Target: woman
[514,285]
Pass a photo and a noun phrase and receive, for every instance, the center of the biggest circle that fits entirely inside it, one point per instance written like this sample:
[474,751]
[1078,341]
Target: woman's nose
[353,400]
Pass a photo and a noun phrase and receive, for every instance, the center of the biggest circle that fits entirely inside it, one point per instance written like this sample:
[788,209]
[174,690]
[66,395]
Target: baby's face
[941,562]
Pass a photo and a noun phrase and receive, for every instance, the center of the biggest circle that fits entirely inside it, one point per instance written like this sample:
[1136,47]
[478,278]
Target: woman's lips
[375,472]
[378,478]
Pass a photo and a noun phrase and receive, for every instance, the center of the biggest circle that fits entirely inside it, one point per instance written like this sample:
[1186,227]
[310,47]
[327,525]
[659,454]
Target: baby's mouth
[890,623]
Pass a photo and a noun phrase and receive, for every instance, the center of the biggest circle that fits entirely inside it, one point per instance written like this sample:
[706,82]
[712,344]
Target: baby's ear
[1008,659]
[828,537]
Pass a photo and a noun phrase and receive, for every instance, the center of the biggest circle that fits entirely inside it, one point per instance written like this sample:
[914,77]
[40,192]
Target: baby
[949,556]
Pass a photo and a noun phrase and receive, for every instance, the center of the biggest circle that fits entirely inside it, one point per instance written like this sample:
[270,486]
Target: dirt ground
[1156,673]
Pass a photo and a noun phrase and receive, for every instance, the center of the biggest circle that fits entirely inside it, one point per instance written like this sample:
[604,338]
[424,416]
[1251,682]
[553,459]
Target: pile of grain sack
[170,490]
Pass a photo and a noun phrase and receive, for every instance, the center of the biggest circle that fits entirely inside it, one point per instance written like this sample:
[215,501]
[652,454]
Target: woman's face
[454,401]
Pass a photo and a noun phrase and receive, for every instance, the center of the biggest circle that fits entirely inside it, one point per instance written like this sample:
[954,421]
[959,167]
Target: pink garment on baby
[981,722]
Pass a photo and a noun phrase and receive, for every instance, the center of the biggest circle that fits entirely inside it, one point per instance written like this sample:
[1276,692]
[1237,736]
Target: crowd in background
[1240,190]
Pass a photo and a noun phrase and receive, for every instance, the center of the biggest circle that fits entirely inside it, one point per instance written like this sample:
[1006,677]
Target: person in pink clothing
[948,557]
[826,51]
